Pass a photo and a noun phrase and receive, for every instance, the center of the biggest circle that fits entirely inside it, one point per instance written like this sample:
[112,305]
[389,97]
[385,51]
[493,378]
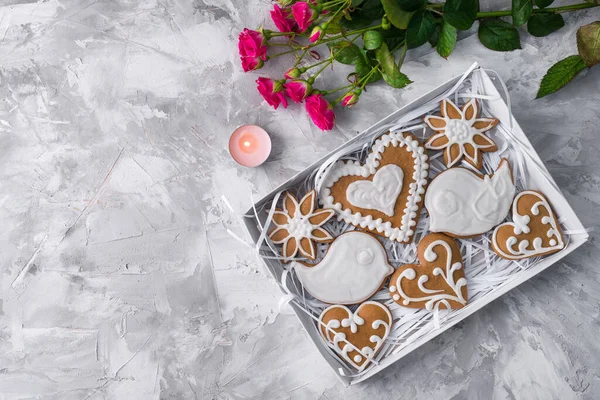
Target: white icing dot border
[416,190]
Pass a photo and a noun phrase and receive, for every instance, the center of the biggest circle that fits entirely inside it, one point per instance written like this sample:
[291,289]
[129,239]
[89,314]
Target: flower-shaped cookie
[298,226]
[460,133]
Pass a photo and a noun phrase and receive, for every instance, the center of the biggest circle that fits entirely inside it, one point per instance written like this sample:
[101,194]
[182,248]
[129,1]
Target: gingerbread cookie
[438,282]
[298,226]
[353,269]
[385,194]
[462,203]
[533,232]
[460,133]
[357,336]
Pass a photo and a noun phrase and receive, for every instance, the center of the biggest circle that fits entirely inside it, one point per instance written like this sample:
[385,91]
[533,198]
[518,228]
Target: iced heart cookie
[462,203]
[438,282]
[353,269]
[385,194]
[356,336]
[460,133]
[533,232]
[298,226]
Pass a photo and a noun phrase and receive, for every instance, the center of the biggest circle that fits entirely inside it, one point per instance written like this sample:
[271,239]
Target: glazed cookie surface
[437,282]
[357,336]
[460,133]
[462,203]
[534,231]
[353,269]
[385,194]
[299,224]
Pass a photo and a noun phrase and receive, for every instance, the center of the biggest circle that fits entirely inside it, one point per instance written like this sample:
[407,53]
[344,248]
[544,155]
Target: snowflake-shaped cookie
[298,226]
[460,133]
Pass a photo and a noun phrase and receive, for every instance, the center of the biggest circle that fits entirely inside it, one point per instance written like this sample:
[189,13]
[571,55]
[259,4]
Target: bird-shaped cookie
[462,203]
[353,269]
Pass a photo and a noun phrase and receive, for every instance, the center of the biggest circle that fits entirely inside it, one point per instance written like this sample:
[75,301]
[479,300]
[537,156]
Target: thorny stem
[335,3]
[362,80]
[301,57]
[315,64]
[329,39]
[550,10]
[311,80]
[326,92]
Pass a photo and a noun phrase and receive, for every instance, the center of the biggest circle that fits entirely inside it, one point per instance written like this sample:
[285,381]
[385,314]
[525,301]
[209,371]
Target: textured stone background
[118,279]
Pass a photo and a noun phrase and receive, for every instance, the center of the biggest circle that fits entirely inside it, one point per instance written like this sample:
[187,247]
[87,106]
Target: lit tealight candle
[250,145]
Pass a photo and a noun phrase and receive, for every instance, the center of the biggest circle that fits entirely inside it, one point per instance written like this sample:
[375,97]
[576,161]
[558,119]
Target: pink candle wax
[250,145]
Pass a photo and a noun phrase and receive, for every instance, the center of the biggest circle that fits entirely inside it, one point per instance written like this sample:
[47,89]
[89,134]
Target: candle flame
[247,144]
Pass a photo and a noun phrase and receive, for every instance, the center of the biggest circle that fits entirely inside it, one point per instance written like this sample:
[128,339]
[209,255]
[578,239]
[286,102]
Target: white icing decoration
[299,226]
[381,193]
[342,277]
[365,256]
[353,321]
[367,352]
[520,225]
[354,168]
[461,203]
[460,132]
[433,297]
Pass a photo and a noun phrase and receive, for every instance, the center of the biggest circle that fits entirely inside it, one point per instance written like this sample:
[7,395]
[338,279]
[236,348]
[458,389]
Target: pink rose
[251,63]
[252,44]
[297,90]
[304,15]
[320,111]
[271,91]
[350,99]
[292,73]
[316,34]
[282,19]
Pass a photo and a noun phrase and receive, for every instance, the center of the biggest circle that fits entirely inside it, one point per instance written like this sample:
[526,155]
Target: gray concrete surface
[118,278]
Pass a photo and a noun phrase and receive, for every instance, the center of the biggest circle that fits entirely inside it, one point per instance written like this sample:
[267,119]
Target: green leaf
[364,67]
[393,37]
[544,24]
[355,3]
[543,3]
[345,52]
[499,35]
[588,43]
[390,72]
[386,59]
[397,80]
[397,16]
[420,28]
[364,15]
[461,13]
[372,39]
[447,40]
[333,28]
[597,2]
[410,5]
[560,74]
[521,11]
[435,36]
[371,9]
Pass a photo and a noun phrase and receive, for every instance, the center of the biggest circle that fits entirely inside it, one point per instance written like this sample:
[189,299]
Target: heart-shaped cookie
[385,194]
[438,282]
[358,336]
[380,193]
[533,232]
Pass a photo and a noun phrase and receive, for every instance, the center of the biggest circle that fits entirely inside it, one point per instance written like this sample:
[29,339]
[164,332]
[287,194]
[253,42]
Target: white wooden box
[537,178]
